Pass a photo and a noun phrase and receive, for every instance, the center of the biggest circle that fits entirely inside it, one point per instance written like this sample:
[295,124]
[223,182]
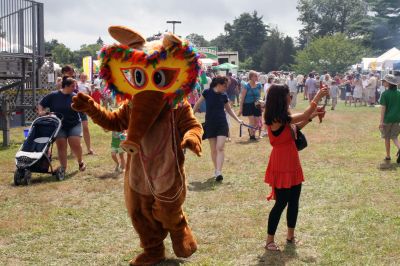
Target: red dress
[284,168]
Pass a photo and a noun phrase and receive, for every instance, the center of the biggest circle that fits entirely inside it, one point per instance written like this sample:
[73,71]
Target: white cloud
[77,22]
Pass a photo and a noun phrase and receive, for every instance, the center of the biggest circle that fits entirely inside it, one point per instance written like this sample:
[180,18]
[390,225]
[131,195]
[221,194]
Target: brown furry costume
[155,182]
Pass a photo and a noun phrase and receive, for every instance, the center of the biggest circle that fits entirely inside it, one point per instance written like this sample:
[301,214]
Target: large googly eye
[139,77]
[159,78]
[164,78]
[136,77]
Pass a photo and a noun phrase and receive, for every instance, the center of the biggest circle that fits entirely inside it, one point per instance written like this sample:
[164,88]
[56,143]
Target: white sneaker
[264,133]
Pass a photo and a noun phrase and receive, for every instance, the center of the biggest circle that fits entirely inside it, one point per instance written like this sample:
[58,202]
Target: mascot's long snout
[146,108]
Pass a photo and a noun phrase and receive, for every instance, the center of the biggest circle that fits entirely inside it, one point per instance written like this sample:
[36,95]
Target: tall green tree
[309,19]
[270,54]
[333,53]
[246,34]
[49,46]
[100,41]
[197,40]
[385,24]
[85,50]
[289,51]
[327,17]
[221,42]
[62,54]
[276,52]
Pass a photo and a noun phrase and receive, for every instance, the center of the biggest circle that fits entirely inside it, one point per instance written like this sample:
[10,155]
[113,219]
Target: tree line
[334,35]
[63,55]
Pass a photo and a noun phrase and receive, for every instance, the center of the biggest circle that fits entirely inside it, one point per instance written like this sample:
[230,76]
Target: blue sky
[76,22]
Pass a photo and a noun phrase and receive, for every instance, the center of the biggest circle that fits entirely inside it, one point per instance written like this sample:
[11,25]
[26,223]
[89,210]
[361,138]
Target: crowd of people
[267,102]
[218,97]
[248,92]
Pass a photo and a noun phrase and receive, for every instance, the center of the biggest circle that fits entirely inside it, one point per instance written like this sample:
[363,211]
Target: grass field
[349,213]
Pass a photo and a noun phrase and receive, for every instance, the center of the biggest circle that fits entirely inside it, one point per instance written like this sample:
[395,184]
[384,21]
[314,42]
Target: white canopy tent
[378,64]
[388,55]
[388,64]
[365,63]
[208,62]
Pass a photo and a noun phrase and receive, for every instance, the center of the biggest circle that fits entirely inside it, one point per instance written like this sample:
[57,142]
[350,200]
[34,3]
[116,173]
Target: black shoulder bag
[301,141]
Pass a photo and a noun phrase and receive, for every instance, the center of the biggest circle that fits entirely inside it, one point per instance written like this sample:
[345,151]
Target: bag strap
[245,125]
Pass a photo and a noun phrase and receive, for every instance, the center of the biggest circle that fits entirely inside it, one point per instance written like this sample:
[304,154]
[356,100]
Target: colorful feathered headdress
[169,65]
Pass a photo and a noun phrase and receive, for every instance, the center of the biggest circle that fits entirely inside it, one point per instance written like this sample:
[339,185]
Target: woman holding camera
[284,173]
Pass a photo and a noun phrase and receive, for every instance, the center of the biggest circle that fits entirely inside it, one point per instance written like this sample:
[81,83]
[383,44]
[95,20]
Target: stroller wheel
[22,177]
[27,178]
[60,174]
[18,176]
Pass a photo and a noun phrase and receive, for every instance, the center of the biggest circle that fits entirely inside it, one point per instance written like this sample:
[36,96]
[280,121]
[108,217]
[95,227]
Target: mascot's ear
[171,40]
[127,36]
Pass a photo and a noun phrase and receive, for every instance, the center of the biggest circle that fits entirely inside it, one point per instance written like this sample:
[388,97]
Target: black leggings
[284,196]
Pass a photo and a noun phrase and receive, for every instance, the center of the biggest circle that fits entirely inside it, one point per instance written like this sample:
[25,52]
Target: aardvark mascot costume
[155,77]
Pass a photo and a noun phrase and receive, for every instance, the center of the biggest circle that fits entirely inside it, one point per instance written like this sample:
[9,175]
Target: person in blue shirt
[216,126]
[59,102]
[249,95]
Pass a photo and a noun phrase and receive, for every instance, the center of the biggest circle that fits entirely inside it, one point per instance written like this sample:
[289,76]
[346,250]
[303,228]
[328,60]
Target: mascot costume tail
[155,78]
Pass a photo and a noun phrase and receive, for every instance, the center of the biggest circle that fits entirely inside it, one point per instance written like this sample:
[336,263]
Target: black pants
[300,88]
[289,197]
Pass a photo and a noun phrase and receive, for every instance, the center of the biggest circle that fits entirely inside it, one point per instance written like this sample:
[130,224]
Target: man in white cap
[390,114]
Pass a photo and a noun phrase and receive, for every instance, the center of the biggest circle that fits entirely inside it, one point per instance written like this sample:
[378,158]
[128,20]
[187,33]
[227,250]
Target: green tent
[225,66]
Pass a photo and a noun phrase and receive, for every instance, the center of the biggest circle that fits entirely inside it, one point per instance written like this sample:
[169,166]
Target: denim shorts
[75,131]
[232,97]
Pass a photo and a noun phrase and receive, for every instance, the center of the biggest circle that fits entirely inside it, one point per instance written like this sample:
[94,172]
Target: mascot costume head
[169,66]
[151,80]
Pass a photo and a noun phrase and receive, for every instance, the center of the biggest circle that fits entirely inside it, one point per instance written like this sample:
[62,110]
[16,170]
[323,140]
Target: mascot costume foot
[154,79]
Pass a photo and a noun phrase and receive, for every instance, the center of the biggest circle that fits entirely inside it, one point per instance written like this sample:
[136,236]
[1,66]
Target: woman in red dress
[284,173]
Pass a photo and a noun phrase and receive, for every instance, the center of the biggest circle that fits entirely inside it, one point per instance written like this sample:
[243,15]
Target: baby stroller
[35,153]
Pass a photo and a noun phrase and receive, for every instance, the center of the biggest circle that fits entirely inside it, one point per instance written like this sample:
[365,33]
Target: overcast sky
[76,22]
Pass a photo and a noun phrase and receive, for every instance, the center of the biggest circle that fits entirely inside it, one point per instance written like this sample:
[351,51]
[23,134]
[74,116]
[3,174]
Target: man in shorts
[390,114]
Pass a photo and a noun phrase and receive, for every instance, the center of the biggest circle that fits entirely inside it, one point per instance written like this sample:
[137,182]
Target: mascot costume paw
[155,77]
